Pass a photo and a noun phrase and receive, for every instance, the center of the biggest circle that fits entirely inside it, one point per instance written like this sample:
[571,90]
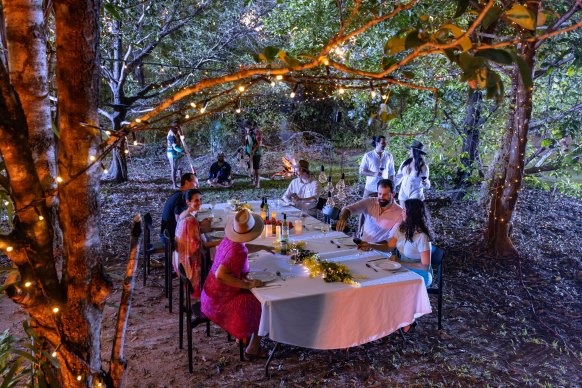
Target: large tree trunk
[471,137]
[77,29]
[506,172]
[118,169]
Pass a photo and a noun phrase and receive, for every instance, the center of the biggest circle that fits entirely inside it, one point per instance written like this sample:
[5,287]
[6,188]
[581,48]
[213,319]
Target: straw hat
[244,226]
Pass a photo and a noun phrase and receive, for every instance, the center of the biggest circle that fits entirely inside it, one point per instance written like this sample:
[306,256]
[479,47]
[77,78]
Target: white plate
[264,276]
[387,264]
[217,234]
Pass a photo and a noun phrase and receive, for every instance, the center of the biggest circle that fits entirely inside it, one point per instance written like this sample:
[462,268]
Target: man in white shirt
[377,164]
[383,215]
[303,191]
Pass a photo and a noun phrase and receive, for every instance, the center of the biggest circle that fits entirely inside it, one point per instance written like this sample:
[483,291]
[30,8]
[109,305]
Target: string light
[342,90]
[108,133]
[237,110]
[241,88]
[279,77]
[59,179]
[126,151]
[135,142]
[40,217]
[55,310]
[9,249]
[187,116]
[27,284]
[273,83]
[6,203]
[373,94]
[138,121]
[193,104]
[79,378]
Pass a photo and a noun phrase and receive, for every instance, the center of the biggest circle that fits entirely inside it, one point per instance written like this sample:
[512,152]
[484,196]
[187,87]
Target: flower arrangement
[237,205]
[331,272]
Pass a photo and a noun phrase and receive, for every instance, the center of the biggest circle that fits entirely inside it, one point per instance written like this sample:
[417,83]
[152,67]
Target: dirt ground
[506,323]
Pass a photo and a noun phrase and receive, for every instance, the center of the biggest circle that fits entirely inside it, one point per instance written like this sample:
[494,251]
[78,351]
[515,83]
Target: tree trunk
[77,29]
[471,136]
[118,170]
[507,171]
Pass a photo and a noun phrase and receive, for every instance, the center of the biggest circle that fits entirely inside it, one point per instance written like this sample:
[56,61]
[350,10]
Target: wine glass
[325,228]
[212,206]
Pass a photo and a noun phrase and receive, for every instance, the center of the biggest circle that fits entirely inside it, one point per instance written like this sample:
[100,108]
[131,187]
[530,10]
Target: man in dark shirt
[219,175]
[176,204]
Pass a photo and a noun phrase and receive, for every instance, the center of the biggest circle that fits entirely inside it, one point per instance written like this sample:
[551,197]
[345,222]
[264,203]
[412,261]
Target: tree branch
[539,123]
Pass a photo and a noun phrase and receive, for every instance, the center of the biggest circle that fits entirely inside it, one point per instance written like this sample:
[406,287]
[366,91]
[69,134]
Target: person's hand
[255,283]
[205,223]
[364,246]
[379,173]
[340,225]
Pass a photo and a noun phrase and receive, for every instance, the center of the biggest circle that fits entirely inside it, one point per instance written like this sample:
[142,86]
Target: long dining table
[308,312]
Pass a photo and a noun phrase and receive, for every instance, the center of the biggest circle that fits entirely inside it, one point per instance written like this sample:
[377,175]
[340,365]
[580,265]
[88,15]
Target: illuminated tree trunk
[65,306]
[506,173]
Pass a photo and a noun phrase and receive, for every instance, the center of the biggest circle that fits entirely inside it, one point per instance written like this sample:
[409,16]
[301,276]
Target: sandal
[410,330]
[261,354]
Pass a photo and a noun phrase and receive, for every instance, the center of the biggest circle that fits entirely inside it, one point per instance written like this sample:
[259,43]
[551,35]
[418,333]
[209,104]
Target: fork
[278,273]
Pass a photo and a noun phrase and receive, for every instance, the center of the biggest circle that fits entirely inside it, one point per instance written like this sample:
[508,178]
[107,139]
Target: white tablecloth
[314,314]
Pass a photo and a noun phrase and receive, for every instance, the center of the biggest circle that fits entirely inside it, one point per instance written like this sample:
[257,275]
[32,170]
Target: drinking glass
[325,228]
[212,206]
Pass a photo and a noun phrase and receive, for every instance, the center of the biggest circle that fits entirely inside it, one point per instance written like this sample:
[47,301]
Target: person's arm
[226,277]
[399,176]
[227,170]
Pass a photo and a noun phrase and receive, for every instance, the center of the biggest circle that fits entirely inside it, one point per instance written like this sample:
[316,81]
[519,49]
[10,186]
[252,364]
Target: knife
[369,266]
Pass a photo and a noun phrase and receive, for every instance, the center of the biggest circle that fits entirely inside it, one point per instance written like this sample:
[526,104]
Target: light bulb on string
[330,202]
[329,187]
[322,176]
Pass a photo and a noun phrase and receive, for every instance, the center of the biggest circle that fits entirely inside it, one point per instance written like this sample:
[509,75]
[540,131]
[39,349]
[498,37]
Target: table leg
[271,354]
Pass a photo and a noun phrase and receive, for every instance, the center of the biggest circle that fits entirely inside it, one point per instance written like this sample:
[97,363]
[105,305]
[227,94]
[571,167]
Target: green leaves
[461,7]
[464,43]
[491,16]
[394,45]
[525,71]
[271,53]
[522,16]
[495,55]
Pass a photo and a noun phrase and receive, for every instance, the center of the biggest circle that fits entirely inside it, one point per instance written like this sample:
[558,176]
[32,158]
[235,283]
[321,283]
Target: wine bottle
[263,212]
[273,224]
[284,228]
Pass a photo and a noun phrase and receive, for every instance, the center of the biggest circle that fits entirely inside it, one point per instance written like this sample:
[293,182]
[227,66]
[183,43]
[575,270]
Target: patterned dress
[188,246]
[234,309]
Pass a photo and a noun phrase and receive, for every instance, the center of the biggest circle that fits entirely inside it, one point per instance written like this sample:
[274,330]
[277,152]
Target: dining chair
[169,247]
[149,248]
[436,260]
[190,310]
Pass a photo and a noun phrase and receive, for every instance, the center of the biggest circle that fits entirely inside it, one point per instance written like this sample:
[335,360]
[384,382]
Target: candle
[278,233]
[298,226]
[273,215]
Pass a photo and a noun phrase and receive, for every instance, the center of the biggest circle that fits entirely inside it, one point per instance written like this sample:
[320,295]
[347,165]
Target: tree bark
[77,28]
[507,170]
[471,136]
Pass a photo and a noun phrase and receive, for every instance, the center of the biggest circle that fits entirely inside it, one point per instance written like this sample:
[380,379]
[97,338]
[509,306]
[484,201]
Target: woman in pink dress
[189,245]
[226,298]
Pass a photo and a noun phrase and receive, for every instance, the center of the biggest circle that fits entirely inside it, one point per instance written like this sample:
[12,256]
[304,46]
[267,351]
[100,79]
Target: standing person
[413,174]
[376,164]
[254,148]
[176,204]
[383,215]
[226,297]
[189,244]
[174,150]
[303,191]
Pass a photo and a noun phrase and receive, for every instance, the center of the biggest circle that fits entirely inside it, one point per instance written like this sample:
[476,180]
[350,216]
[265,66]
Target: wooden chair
[436,260]
[149,248]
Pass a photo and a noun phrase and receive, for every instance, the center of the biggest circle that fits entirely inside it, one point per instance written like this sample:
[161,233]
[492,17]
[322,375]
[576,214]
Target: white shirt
[302,189]
[381,223]
[412,249]
[371,162]
[412,183]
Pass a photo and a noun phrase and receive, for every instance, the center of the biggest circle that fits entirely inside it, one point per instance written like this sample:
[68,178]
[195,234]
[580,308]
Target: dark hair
[417,219]
[190,193]
[186,177]
[418,161]
[376,139]
[386,183]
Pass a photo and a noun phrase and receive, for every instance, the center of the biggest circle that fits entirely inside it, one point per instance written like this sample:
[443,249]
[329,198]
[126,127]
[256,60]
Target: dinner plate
[387,264]
[217,234]
[264,276]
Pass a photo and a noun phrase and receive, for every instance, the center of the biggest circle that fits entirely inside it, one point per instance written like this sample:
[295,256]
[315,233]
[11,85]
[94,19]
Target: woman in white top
[412,239]
[412,175]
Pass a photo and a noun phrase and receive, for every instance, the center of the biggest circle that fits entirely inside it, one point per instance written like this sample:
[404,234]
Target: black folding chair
[149,249]
[169,247]
[436,260]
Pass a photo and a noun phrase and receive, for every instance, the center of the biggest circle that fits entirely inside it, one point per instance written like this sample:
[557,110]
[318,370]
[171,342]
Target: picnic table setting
[319,290]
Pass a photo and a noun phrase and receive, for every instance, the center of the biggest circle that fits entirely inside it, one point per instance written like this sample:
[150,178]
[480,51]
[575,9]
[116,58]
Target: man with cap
[173,151]
[303,191]
[219,174]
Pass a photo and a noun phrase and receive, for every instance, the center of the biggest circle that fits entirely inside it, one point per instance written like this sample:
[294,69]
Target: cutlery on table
[278,273]
[336,244]
[270,286]
[369,266]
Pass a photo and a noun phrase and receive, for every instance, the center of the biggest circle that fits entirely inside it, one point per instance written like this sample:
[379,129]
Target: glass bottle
[284,229]
[322,176]
[329,187]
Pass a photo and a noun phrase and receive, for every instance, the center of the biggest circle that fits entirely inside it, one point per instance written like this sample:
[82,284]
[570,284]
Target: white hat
[244,226]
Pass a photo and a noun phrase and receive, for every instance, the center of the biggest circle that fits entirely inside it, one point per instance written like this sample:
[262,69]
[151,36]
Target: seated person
[226,297]
[412,239]
[189,245]
[303,191]
[175,205]
[219,174]
[383,215]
